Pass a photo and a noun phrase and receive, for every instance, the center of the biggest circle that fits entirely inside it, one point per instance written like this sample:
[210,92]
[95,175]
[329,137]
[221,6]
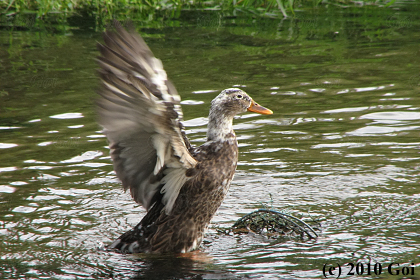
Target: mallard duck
[179,185]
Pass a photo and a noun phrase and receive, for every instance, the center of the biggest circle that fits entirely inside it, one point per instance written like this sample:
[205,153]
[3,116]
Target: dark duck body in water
[180,186]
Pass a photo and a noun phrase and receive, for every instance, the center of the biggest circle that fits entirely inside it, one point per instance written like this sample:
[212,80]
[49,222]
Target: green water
[342,145]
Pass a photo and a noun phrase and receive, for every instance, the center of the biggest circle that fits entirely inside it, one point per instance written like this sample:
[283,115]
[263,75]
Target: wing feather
[140,112]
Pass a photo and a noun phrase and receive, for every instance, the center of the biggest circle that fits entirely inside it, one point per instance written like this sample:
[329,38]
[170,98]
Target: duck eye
[239,96]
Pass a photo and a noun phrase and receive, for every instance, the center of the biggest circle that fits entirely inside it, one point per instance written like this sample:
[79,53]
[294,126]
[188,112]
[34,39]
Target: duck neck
[220,126]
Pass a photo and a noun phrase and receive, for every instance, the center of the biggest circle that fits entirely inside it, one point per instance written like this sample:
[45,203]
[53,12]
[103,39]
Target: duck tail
[137,240]
[129,242]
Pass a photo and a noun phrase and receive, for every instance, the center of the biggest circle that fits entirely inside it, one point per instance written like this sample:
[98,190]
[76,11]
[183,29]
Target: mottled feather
[141,115]
[180,186]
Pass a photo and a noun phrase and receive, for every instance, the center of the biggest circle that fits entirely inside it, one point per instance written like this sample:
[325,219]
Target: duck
[180,186]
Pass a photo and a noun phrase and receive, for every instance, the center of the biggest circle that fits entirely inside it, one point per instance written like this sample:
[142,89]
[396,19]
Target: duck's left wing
[142,118]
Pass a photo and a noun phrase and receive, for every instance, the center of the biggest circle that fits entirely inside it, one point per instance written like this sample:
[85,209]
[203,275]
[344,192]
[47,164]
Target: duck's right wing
[140,112]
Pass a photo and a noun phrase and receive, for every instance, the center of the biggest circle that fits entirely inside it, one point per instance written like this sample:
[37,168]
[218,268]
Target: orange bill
[254,107]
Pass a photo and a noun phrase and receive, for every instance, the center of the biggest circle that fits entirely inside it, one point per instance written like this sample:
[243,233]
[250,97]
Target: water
[342,146]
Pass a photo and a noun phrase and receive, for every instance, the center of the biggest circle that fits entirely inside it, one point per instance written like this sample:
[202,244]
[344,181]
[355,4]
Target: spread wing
[140,112]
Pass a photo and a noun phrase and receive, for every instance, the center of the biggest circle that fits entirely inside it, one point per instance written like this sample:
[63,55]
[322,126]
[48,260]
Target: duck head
[225,106]
[233,101]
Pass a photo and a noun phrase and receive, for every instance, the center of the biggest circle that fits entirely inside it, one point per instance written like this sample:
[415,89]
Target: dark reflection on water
[342,147]
[169,267]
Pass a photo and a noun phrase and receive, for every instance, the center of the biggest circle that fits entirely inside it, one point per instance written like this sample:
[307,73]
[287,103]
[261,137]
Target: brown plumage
[180,186]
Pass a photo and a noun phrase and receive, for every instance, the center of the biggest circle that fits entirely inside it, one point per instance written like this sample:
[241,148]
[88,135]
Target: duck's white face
[233,101]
